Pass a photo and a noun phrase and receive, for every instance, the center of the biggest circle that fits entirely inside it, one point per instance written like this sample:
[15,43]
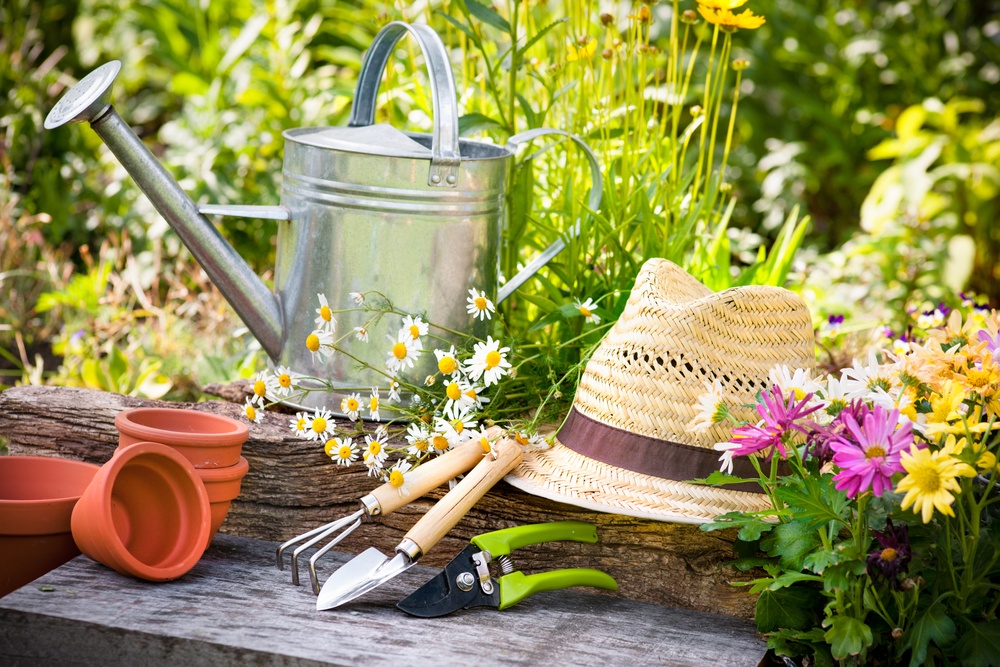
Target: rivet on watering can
[451,179]
[436,178]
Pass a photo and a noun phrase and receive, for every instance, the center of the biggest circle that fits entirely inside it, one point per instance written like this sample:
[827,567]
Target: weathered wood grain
[236,608]
[292,487]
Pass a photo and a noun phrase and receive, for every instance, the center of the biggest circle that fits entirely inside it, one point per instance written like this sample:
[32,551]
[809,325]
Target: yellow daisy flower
[931,479]
[722,4]
[729,21]
[581,51]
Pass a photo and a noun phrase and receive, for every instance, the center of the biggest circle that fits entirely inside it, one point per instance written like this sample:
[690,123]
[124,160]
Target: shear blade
[442,595]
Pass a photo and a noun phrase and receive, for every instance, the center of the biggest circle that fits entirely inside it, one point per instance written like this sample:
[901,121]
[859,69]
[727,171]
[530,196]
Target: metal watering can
[365,207]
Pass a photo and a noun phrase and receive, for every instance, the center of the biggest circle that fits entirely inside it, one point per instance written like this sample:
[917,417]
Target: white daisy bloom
[861,381]
[252,412]
[473,394]
[530,443]
[798,382]
[259,385]
[456,402]
[833,398]
[357,297]
[415,326]
[458,429]
[393,391]
[479,435]
[488,362]
[351,406]
[419,439]
[320,344]
[586,309]
[375,453]
[299,424]
[281,383]
[711,408]
[440,442]
[403,353]
[324,316]
[361,333]
[321,425]
[343,451]
[397,476]
[373,464]
[726,460]
[900,347]
[448,361]
[373,404]
[479,306]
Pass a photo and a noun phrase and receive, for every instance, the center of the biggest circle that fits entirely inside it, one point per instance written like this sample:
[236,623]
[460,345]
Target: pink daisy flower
[868,454]
[779,419]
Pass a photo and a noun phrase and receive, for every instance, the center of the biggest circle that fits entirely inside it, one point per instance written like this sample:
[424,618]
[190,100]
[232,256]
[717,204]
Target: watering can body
[415,217]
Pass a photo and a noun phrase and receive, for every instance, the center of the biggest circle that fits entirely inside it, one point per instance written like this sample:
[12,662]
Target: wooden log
[293,487]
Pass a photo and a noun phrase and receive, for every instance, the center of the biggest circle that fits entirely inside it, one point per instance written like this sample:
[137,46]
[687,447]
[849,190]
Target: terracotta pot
[146,514]
[205,439]
[222,485]
[37,495]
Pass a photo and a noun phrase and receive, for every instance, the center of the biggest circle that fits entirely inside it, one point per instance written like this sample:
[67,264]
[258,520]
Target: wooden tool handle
[447,512]
[429,475]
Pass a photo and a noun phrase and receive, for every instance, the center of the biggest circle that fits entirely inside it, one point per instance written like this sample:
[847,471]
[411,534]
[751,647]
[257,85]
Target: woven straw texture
[674,337]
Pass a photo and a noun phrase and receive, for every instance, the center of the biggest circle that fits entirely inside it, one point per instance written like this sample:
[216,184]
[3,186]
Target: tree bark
[292,487]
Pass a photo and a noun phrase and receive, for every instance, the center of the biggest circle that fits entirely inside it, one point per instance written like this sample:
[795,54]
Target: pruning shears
[466,581]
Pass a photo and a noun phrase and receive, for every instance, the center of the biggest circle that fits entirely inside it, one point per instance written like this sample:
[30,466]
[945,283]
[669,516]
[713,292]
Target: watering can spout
[90,100]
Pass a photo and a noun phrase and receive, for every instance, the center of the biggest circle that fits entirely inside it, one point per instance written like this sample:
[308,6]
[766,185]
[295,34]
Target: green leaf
[934,625]
[750,527]
[848,636]
[791,608]
[488,16]
[461,26]
[791,542]
[719,478]
[979,645]
[538,35]
[841,576]
[816,501]
[474,122]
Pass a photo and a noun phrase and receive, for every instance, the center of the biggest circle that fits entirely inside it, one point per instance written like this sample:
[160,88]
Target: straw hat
[625,447]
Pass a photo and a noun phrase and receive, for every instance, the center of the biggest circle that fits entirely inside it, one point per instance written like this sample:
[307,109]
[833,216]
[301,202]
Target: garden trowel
[371,568]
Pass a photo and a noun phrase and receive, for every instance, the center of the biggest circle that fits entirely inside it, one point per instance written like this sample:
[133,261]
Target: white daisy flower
[530,443]
[799,382]
[357,297]
[458,429]
[726,460]
[900,347]
[861,381]
[711,408]
[414,326]
[343,451]
[447,361]
[586,309]
[375,453]
[373,464]
[351,406]
[259,384]
[419,439]
[833,398]
[473,394]
[456,402]
[320,344]
[393,391]
[324,316]
[300,424]
[373,404]
[480,436]
[281,383]
[479,306]
[320,425]
[397,477]
[488,362]
[403,353]
[440,442]
[361,333]
[252,412]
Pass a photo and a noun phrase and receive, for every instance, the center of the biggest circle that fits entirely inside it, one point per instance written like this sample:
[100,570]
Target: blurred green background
[878,120]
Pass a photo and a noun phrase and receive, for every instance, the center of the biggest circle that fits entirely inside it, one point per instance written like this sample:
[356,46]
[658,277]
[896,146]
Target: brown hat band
[645,455]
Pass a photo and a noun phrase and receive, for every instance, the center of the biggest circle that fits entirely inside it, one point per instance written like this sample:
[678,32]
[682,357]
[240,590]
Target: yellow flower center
[352,405]
[480,302]
[484,442]
[471,393]
[396,478]
[440,443]
[285,380]
[880,383]
[319,425]
[399,350]
[251,412]
[421,445]
[312,342]
[521,439]
[458,426]
[977,379]
[325,313]
[328,447]
[585,311]
[492,359]
[300,425]
[344,452]
[875,451]
[414,331]
[373,404]
[799,393]
[888,554]
[375,447]
[447,365]
[927,479]
[259,387]
[453,391]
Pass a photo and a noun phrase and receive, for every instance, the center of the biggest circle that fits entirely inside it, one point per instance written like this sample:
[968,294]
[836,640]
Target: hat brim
[566,476]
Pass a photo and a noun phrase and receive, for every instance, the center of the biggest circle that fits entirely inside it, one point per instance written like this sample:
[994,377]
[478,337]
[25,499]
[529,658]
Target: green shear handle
[516,586]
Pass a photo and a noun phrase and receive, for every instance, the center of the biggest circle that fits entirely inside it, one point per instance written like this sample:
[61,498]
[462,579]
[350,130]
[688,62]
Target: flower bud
[897,633]
[689,16]
[583,40]
[382,18]
[607,54]
[696,111]
[644,15]
[908,584]
[740,64]
[607,19]
[430,380]
[725,187]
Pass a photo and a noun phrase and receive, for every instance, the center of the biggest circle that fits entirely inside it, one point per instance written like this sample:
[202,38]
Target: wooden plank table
[236,608]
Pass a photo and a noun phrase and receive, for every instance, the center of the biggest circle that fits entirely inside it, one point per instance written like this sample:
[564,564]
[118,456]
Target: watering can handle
[596,190]
[445,156]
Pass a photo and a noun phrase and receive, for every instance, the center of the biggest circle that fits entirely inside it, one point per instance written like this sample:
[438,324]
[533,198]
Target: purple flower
[893,557]
[818,444]
[835,319]
[992,342]
[778,420]
[869,457]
